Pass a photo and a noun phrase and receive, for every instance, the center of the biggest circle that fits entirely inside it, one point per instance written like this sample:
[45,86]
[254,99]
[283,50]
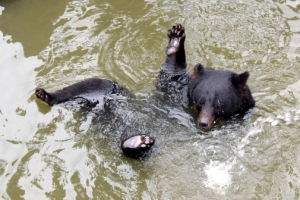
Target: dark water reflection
[66,152]
[30,22]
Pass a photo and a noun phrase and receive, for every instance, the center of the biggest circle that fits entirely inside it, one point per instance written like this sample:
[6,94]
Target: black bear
[214,93]
[218,93]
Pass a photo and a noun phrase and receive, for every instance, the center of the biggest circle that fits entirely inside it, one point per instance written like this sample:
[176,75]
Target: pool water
[66,152]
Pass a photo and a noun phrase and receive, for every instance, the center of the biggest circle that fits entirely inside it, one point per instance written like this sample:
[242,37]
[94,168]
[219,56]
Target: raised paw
[136,146]
[177,36]
[176,31]
[43,95]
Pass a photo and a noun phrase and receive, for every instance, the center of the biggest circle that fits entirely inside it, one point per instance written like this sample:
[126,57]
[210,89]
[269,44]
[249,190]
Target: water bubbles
[218,176]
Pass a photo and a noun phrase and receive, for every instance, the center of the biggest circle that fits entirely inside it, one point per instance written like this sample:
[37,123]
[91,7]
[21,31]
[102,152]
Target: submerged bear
[214,93]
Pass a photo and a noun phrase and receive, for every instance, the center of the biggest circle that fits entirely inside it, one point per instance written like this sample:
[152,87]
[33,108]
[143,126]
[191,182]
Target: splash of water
[218,176]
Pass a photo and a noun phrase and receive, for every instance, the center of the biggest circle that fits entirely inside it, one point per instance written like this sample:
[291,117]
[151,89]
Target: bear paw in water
[176,35]
[43,95]
[137,146]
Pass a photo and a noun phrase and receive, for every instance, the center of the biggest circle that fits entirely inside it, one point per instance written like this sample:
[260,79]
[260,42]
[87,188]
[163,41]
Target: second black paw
[137,146]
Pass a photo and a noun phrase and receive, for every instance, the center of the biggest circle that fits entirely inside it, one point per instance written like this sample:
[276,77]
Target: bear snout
[205,120]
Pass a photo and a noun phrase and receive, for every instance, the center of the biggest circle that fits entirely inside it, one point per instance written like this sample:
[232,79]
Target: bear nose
[203,123]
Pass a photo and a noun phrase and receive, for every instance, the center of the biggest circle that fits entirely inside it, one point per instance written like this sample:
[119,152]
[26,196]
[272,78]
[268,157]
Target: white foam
[218,176]
[1,9]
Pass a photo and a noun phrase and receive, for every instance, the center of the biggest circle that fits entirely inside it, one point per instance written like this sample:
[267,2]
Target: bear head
[218,93]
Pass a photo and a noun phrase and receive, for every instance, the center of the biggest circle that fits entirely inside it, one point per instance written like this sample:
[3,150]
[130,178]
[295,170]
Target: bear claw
[42,95]
[176,31]
[176,35]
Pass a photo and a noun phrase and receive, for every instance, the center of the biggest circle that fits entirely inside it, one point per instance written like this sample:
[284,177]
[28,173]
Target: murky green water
[66,153]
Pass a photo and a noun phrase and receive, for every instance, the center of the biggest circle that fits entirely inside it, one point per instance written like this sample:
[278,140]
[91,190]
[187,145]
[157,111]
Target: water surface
[68,153]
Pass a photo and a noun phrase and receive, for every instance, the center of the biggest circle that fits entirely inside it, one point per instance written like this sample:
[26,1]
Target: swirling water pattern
[68,153]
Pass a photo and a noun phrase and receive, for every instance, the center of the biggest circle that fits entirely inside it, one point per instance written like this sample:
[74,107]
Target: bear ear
[240,80]
[199,69]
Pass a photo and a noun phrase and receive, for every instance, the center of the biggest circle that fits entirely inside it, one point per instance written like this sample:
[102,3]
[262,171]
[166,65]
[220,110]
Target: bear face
[218,93]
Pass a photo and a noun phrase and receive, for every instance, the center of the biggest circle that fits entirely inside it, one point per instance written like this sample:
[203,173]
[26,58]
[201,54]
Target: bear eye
[201,103]
[217,106]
